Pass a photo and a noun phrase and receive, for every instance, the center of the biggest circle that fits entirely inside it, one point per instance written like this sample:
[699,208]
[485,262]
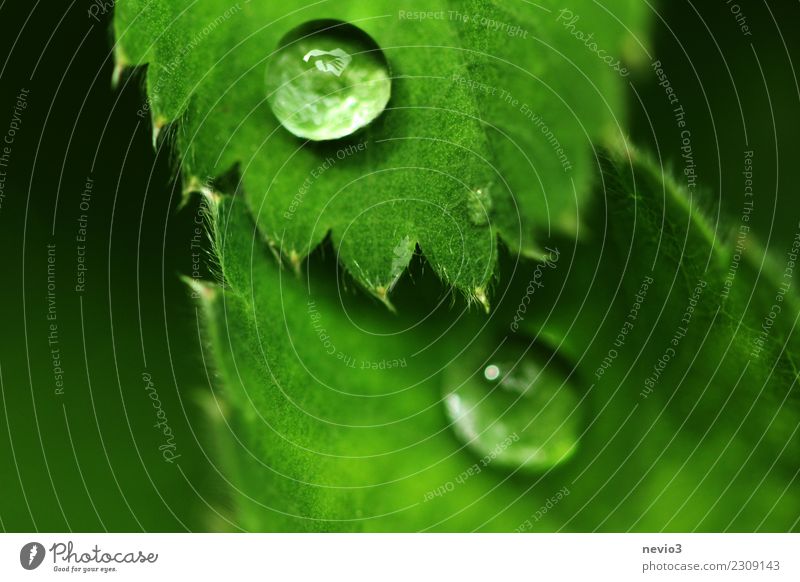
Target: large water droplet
[327,80]
[515,410]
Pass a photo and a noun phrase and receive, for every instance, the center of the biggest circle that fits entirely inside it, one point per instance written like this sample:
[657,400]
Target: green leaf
[333,407]
[335,416]
[495,107]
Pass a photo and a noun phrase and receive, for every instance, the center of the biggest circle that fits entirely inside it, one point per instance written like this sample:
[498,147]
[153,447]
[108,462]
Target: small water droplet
[401,255]
[327,80]
[479,205]
[515,411]
[492,372]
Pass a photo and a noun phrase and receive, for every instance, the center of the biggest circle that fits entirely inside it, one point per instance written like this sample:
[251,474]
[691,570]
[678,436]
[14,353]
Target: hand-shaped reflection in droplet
[337,65]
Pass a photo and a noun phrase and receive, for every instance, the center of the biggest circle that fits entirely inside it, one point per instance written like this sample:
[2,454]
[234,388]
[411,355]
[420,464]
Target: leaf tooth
[212,197]
[116,76]
[479,295]
[193,184]
[204,291]
[296,261]
[159,122]
[382,293]
[121,63]
[276,250]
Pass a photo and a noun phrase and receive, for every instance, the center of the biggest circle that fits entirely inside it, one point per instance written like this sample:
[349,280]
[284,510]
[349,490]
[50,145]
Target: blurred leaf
[684,428]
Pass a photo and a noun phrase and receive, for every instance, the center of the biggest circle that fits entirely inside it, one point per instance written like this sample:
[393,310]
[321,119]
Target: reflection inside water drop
[327,80]
[515,411]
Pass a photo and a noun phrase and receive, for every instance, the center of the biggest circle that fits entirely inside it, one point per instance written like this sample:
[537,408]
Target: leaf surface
[489,131]
[335,408]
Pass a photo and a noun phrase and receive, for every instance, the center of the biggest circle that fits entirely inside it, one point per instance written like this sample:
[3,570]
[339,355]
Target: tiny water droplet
[479,205]
[491,372]
[401,255]
[516,410]
[327,80]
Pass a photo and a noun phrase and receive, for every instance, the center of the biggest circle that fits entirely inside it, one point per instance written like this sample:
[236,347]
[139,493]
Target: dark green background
[89,459]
